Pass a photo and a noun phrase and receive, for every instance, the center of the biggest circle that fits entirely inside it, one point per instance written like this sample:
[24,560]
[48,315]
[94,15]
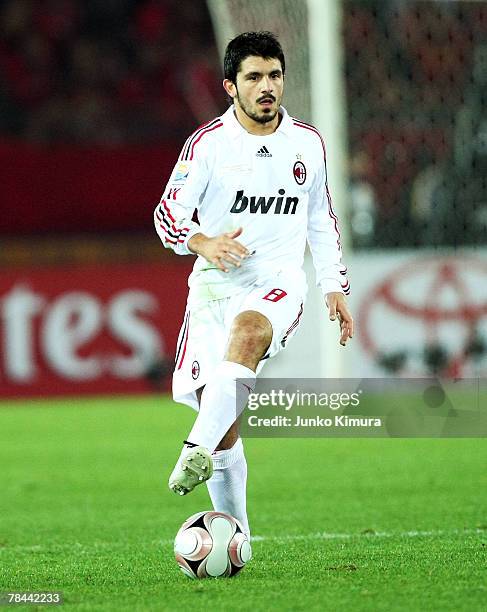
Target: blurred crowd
[106,71]
[417,118]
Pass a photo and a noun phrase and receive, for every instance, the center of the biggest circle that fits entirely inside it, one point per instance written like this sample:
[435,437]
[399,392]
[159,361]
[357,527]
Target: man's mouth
[266,102]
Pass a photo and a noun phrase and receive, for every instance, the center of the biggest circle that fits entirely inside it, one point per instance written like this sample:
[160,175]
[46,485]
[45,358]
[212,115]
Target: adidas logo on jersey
[263,152]
[261,204]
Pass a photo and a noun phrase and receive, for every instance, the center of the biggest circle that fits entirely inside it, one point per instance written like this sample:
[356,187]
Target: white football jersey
[274,187]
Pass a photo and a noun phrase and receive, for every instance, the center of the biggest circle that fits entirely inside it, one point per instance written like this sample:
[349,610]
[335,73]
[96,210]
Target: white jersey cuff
[333,286]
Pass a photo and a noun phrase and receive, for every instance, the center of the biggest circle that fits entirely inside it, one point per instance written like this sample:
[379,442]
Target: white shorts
[204,333]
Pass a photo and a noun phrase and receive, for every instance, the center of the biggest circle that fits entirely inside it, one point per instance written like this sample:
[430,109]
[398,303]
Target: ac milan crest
[195,370]
[299,172]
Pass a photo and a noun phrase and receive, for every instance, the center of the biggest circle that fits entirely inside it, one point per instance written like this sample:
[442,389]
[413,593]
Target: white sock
[222,402]
[227,486]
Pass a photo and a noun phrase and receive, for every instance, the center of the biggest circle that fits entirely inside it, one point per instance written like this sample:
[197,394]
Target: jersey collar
[234,128]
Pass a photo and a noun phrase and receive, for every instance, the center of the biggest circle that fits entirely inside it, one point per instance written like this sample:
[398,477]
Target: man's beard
[265,118]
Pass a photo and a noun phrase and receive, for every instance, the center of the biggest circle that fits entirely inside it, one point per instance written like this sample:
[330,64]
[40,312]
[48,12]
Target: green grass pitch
[343,524]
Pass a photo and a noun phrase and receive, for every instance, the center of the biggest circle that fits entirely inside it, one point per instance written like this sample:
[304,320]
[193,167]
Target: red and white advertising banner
[419,313]
[88,329]
[105,328]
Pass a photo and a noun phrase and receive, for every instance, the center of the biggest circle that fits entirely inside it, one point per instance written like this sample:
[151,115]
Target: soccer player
[256,179]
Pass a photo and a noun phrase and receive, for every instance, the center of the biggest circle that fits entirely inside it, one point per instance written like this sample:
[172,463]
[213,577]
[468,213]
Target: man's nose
[266,84]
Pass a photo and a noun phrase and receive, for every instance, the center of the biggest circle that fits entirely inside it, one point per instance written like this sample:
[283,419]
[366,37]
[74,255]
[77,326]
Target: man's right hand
[220,250]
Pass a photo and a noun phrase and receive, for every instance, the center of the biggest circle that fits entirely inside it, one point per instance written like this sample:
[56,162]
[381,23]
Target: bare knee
[250,337]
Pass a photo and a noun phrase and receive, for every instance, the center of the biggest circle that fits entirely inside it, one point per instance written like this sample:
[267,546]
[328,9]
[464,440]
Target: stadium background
[96,99]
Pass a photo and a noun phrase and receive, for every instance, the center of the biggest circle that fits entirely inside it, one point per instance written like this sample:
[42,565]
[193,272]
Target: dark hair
[260,44]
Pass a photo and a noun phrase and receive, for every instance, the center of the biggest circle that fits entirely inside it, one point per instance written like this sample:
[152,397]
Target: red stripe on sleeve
[331,212]
[215,127]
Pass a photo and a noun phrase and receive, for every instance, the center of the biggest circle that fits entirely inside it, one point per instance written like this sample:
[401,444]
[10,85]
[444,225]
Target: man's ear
[229,87]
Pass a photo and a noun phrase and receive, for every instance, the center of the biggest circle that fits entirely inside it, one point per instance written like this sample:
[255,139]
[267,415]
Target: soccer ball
[211,544]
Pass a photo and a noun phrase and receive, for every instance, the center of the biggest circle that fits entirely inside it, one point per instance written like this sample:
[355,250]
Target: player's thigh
[281,303]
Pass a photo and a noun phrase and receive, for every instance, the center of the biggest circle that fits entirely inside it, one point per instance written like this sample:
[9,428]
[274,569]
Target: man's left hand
[338,309]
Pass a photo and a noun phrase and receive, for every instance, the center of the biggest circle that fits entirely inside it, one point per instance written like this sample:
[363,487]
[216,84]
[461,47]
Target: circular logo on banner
[432,317]
[195,370]
[299,172]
